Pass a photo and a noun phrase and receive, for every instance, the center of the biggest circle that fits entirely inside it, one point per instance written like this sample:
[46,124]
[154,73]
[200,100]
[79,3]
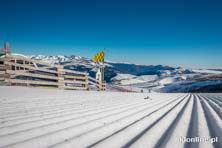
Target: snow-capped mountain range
[133,76]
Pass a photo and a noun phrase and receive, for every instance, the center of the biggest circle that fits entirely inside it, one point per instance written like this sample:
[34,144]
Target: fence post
[87,81]
[100,85]
[60,77]
[104,86]
[102,79]
[7,67]
[2,70]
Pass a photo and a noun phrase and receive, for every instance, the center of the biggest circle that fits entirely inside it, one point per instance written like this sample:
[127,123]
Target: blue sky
[175,32]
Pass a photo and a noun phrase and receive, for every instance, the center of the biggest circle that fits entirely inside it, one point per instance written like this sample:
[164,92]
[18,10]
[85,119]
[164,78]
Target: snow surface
[128,79]
[147,78]
[123,77]
[207,71]
[167,80]
[38,118]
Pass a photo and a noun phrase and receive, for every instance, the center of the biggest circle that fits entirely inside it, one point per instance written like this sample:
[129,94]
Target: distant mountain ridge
[159,78]
[111,68]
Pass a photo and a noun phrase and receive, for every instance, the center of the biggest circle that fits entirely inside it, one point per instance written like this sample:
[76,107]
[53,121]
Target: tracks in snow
[90,119]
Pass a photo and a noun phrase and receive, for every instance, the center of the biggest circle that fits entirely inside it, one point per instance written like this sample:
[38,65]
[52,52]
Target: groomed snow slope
[37,118]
